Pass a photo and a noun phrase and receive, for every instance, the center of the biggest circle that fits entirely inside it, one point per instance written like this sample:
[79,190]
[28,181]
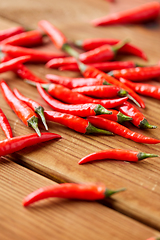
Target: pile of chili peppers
[100,102]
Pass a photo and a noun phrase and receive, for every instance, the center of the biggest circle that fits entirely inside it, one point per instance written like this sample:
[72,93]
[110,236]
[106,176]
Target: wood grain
[59,160]
[57,218]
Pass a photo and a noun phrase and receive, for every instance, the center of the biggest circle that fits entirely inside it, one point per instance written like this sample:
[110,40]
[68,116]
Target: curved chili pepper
[15,144]
[103,66]
[75,82]
[6,33]
[74,122]
[68,96]
[33,104]
[116,154]
[4,124]
[90,43]
[25,113]
[120,130]
[58,62]
[138,119]
[145,12]
[143,89]
[25,39]
[13,63]
[90,72]
[89,192]
[36,55]
[81,110]
[23,72]
[103,91]
[138,73]
[116,116]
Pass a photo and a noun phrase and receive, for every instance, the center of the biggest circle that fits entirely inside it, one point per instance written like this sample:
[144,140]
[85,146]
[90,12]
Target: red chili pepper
[74,82]
[74,122]
[103,66]
[120,130]
[138,73]
[90,72]
[13,63]
[15,144]
[116,154]
[37,108]
[23,72]
[68,96]
[25,113]
[4,124]
[143,89]
[25,39]
[81,110]
[10,32]
[58,62]
[89,192]
[103,91]
[56,36]
[138,119]
[116,116]
[36,55]
[145,12]
[90,44]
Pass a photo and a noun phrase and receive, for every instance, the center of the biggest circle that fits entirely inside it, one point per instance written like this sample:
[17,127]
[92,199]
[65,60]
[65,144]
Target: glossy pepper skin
[6,33]
[89,192]
[81,110]
[88,72]
[15,144]
[116,154]
[36,107]
[116,116]
[74,82]
[121,130]
[4,124]
[145,12]
[138,119]
[143,88]
[138,73]
[92,43]
[74,122]
[21,109]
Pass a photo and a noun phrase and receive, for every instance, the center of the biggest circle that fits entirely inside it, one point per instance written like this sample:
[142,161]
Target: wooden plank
[54,218]
[58,160]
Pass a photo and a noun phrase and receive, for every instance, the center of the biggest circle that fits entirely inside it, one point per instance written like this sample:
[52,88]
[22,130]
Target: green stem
[109,192]
[142,155]
[122,118]
[33,122]
[119,45]
[122,93]
[40,112]
[145,124]
[68,49]
[91,129]
[101,110]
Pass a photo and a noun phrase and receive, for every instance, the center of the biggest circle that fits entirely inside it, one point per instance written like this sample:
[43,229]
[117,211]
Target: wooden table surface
[132,214]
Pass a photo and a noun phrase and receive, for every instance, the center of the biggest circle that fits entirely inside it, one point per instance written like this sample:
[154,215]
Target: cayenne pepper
[92,43]
[15,144]
[121,130]
[81,110]
[89,192]
[25,113]
[37,108]
[143,88]
[117,154]
[138,118]
[145,12]
[74,122]
[6,33]
[5,126]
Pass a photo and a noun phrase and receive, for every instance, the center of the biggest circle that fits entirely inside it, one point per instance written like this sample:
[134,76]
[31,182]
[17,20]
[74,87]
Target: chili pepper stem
[68,49]
[91,129]
[40,112]
[119,45]
[142,155]
[121,117]
[33,122]
[132,99]
[109,192]
[122,93]
[145,124]
[101,110]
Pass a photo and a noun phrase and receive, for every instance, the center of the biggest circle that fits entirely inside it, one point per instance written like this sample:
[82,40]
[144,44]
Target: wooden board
[58,160]
[57,218]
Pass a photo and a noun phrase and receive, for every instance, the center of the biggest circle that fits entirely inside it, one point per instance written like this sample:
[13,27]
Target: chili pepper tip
[144,124]
[142,155]
[33,122]
[91,129]
[40,112]
[101,110]
[109,192]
